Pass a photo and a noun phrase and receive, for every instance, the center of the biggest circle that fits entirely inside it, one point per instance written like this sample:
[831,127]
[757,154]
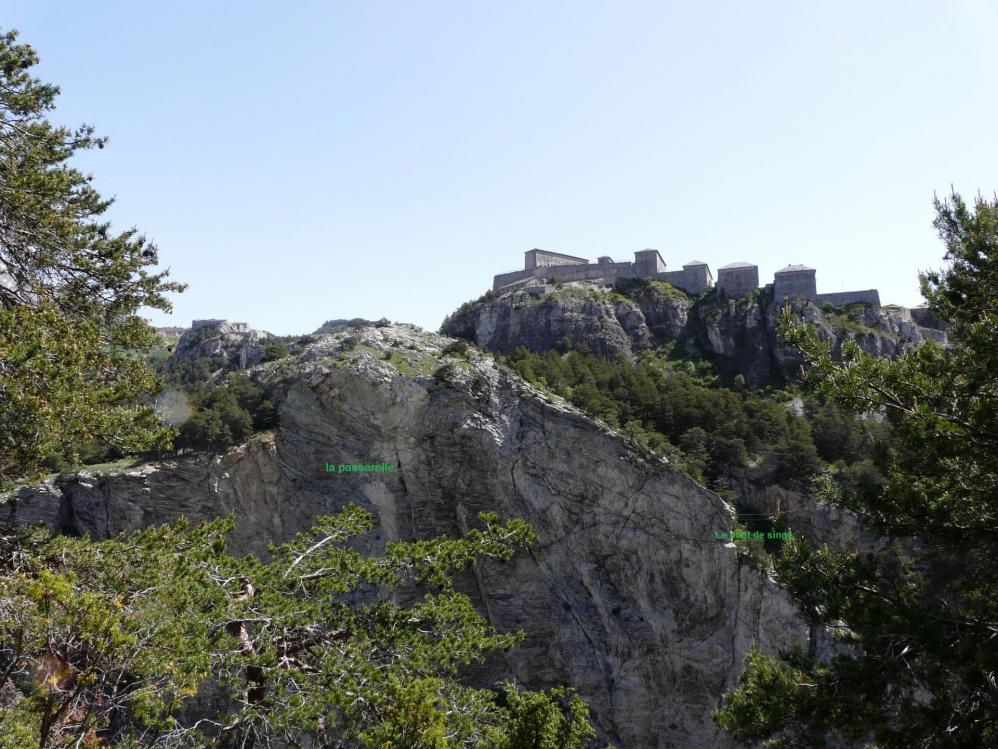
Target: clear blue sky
[302,161]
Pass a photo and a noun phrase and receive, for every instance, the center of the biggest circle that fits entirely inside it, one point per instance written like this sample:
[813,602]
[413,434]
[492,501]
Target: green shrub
[456,348]
[445,373]
[272,351]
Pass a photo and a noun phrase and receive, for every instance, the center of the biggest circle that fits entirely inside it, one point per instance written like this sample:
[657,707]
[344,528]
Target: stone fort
[733,280]
[222,326]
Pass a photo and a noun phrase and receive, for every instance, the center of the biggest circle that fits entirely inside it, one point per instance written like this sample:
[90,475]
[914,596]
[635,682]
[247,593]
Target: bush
[445,373]
[273,351]
[456,348]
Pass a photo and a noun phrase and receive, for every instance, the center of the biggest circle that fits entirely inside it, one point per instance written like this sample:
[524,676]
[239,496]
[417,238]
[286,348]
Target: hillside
[627,595]
[737,335]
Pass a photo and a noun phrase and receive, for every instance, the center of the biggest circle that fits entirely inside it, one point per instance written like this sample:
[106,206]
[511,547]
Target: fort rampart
[870,296]
[222,326]
[733,281]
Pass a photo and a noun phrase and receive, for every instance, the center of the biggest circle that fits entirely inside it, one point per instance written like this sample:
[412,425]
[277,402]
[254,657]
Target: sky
[304,161]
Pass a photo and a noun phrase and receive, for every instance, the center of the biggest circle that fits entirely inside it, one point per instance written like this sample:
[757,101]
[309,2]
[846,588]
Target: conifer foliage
[101,644]
[70,288]
[920,632]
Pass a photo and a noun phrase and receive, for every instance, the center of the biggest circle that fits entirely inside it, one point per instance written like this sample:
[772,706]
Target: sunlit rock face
[221,344]
[626,595]
[739,335]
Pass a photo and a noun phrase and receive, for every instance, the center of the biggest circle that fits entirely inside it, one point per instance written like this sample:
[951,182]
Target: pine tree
[920,635]
[101,644]
[70,288]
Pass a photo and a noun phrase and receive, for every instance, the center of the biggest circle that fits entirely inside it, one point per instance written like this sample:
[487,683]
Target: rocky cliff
[221,345]
[626,595]
[738,335]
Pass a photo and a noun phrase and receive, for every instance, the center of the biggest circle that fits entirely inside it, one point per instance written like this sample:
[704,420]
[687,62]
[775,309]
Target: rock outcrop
[626,595]
[221,344]
[342,324]
[738,335]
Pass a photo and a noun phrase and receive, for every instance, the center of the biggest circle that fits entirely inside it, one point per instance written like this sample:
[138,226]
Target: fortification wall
[504,279]
[222,326]
[698,278]
[198,324]
[795,285]
[868,296]
[609,272]
[692,280]
[738,282]
[676,277]
[529,282]
[796,282]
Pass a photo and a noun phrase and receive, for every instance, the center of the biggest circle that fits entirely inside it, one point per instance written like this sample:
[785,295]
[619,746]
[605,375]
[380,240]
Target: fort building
[222,326]
[738,279]
[734,280]
[794,282]
[540,266]
[648,263]
[694,278]
[542,259]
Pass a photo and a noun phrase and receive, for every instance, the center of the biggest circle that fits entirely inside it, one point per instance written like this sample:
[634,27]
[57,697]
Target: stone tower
[794,282]
[738,279]
[648,263]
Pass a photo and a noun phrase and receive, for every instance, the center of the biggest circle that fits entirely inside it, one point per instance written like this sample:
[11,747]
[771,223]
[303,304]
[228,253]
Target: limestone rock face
[626,595]
[888,331]
[241,482]
[577,312]
[816,522]
[739,335]
[539,318]
[665,314]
